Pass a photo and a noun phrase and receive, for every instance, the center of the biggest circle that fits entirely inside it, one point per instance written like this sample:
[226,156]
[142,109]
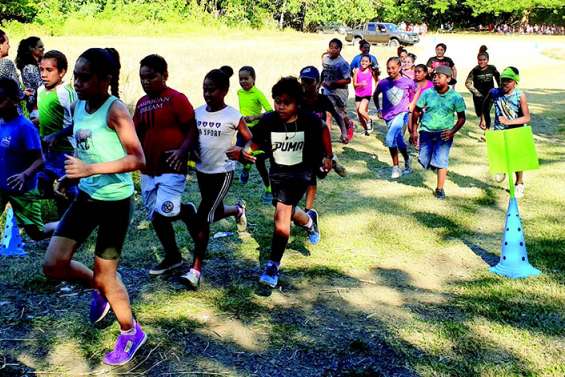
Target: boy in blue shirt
[20,159]
[437,107]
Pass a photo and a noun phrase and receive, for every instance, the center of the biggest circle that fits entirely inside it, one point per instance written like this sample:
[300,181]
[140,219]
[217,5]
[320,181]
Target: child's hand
[16,182]
[415,139]
[503,120]
[176,159]
[249,118]
[75,168]
[327,164]
[482,125]
[447,135]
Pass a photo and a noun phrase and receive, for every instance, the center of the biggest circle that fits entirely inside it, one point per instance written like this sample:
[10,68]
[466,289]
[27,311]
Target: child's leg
[360,116]
[263,172]
[300,217]
[519,178]
[107,281]
[166,234]
[394,155]
[58,263]
[329,120]
[27,210]
[394,139]
[364,112]
[311,196]
[283,215]
[441,175]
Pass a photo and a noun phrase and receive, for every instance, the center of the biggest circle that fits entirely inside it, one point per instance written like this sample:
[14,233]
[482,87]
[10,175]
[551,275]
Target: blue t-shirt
[356,62]
[19,146]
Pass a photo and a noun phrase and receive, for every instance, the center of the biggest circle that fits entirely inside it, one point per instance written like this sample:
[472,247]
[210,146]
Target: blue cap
[310,72]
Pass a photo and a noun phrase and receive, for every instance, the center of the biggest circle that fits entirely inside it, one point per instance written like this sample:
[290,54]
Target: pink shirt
[367,78]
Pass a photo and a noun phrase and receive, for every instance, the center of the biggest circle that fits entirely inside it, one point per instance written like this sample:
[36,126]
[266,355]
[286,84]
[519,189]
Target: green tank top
[96,142]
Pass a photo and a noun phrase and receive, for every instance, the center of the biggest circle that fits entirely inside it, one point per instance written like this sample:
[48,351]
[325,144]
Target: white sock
[309,224]
[131,331]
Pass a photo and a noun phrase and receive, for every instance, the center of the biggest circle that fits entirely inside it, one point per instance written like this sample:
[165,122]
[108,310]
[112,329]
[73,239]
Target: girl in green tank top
[107,150]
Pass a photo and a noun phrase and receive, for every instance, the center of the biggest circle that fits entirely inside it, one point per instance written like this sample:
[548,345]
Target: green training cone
[514,259]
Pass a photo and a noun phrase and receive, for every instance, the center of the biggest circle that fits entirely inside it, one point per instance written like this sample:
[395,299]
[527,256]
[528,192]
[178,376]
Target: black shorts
[213,190]
[289,188]
[359,99]
[111,217]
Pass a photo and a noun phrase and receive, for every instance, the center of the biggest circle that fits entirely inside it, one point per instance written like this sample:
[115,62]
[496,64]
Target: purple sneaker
[99,307]
[126,347]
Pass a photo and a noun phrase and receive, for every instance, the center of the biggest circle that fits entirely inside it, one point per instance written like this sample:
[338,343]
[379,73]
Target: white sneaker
[396,173]
[407,167]
[192,277]
[500,177]
[241,220]
[519,190]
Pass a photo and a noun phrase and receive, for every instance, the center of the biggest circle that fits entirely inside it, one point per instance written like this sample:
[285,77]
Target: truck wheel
[356,41]
[394,43]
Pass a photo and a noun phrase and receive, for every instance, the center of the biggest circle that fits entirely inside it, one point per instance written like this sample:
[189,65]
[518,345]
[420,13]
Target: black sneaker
[439,194]
[165,266]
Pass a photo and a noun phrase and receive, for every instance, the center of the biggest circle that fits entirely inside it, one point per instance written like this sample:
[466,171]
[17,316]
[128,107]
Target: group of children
[86,145]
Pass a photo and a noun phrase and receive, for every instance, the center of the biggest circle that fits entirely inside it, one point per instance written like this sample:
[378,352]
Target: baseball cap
[310,72]
[445,70]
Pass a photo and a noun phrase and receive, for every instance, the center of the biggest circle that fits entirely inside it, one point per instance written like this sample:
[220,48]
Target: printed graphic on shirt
[287,147]
[82,138]
[395,95]
[209,128]
[153,104]
[5,142]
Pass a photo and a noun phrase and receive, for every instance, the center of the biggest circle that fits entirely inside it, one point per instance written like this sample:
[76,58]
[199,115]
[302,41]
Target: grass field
[399,285]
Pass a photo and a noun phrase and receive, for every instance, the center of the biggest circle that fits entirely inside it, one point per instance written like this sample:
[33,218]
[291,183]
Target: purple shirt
[396,95]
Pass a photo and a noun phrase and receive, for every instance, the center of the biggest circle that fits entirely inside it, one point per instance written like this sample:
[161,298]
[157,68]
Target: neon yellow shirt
[251,102]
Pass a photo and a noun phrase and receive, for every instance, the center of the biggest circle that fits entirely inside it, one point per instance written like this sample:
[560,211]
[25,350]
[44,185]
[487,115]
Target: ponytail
[483,52]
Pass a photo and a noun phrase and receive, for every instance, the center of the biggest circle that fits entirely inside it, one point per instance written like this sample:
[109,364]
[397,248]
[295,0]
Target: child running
[480,81]
[408,68]
[363,84]
[54,101]
[251,103]
[163,119]
[107,149]
[437,106]
[336,77]
[217,125]
[365,49]
[298,149]
[511,111]
[397,92]
[20,159]
[320,105]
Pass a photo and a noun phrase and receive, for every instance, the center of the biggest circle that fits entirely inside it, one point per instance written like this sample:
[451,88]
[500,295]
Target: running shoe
[519,190]
[439,194]
[339,168]
[407,167]
[241,220]
[99,306]
[270,276]
[165,266]
[314,233]
[192,278]
[267,197]
[126,347]
[500,177]
[244,176]
[396,173]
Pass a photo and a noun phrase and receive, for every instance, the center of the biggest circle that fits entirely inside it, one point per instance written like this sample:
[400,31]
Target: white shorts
[162,193]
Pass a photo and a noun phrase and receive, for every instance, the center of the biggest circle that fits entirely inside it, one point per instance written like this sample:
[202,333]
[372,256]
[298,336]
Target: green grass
[399,284]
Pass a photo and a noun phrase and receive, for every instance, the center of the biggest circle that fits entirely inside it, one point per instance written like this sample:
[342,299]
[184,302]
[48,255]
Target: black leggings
[478,102]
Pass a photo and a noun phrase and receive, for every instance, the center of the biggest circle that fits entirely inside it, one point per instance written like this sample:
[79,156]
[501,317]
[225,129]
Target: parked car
[382,32]
[332,28]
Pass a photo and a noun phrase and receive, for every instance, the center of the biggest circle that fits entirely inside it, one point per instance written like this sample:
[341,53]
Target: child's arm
[470,86]
[413,125]
[497,77]
[238,153]
[327,145]
[178,157]
[119,120]
[376,101]
[355,84]
[17,181]
[264,103]
[524,119]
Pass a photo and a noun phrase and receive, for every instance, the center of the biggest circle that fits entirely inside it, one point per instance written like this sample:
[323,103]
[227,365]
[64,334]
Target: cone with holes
[510,151]
[514,259]
[12,243]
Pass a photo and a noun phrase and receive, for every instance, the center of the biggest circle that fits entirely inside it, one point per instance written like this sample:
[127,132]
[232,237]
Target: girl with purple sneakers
[107,150]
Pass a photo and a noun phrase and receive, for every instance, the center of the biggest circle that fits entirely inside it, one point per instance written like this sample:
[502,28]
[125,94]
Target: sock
[307,209]
[239,212]
[268,189]
[276,264]
[131,331]
[196,272]
[309,224]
